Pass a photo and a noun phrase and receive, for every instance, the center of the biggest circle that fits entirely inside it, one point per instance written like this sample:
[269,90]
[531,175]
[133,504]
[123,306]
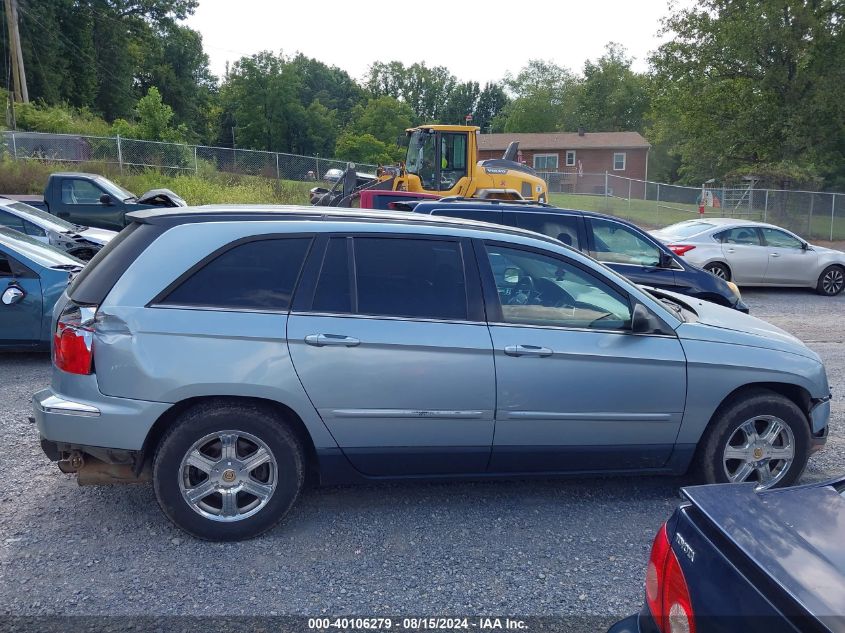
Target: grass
[209,186]
[29,177]
[651,214]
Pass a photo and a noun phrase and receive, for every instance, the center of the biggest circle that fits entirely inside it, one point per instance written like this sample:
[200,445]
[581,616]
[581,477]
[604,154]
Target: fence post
[766,205]
[14,147]
[629,196]
[278,173]
[606,203]
[657,204]
[317,157]
[119,155]
[832,212]
[196,162]
[810,217]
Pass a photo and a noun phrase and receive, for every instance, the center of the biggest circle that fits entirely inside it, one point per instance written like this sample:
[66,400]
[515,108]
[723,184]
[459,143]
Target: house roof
[564,140]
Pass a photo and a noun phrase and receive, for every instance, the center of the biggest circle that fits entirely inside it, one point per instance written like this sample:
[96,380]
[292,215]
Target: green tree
[426,90]
[384,118]
[462,100]
[153,121]
[751,83]
[546,97]
[490,104]
[612,97]
[366,148]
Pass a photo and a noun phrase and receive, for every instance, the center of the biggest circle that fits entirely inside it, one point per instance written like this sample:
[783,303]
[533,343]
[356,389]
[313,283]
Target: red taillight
[680,249]
[73,340]
[666,590]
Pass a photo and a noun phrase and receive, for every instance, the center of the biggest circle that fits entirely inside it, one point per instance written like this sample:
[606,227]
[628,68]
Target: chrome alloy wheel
[228,476]
[833,281]
[761,449]
[717,271]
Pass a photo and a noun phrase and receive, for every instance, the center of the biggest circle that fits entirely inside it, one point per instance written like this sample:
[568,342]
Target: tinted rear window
[256,275]
[557,225]
[101,274]
[410,278]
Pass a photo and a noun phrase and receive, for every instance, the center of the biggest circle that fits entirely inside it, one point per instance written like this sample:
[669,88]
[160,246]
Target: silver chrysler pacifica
[230,354]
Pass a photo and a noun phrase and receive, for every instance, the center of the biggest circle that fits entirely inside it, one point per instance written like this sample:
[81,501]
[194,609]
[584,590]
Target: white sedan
[82,242]
[756,254]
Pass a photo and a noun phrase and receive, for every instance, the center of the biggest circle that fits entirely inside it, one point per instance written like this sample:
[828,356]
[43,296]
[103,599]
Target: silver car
[82,242]
[756,254]
[231,353]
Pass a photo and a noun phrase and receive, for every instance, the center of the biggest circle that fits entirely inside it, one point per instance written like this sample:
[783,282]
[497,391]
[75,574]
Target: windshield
[116,191]
[43,217]
[420,159]
[682,230]
[42,254]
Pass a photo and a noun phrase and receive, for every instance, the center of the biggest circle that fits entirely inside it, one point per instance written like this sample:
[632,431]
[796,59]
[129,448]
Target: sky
[477,41]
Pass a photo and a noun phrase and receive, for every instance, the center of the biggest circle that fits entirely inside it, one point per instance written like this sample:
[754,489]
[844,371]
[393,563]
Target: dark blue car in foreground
[734,560]
[622,246]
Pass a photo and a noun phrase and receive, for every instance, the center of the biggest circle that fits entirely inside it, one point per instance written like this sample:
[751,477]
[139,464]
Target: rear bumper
[114,423]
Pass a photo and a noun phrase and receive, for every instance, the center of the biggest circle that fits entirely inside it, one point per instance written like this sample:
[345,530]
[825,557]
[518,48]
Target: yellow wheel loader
[442,160]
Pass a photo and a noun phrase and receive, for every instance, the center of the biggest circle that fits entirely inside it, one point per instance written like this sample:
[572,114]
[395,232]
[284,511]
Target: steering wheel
[524,292]
[553,296]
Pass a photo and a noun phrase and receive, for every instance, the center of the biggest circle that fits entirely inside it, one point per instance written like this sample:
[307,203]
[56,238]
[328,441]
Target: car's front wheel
[227,472]
[719,270]
[831,281]
[760,437]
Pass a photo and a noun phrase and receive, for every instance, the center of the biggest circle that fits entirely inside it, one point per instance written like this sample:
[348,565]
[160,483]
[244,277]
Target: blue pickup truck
[93,200]
[734,560]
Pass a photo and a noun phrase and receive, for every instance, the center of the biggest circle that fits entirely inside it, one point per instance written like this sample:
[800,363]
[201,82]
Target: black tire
[831,281]
[746,406]
[719,270]
[208,418]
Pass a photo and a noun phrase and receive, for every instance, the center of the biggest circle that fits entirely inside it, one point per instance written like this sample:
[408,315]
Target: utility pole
[21,94]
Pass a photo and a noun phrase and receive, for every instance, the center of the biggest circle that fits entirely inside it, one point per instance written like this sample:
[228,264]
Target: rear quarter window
[255,275]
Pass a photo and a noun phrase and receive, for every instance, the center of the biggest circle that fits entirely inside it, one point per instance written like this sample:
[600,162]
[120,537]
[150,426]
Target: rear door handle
[775,254]
[331,340]
[527,350]
[730,250]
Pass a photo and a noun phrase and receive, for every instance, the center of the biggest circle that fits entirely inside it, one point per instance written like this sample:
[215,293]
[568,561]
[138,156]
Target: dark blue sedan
[622,246]
[33,276]
[732,560]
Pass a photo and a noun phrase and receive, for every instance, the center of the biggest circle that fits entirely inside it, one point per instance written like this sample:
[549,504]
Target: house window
[545,162]
[619,161]
[570,158]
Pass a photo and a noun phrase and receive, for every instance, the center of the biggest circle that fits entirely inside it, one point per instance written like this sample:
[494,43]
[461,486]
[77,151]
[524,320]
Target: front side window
[779,239]
[5,266]
[412,278]
[422,148]
[744,235]
[76,191]
[560,227]
[570,158]
[615,243]
[619,161]
[537,289]
[545,162]
[257,275]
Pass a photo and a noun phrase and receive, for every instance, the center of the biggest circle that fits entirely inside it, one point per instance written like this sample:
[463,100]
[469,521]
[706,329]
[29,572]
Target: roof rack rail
[490,201]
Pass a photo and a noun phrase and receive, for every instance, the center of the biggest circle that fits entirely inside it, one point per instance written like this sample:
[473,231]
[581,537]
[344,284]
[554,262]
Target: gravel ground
[530,548]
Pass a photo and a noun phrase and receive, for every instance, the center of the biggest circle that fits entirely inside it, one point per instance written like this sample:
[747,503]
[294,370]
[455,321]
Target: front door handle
[731,250]
[329,340]
[775,254]
[527,350]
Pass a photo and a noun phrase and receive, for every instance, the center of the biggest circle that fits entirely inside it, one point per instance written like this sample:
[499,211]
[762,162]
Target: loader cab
[439,158]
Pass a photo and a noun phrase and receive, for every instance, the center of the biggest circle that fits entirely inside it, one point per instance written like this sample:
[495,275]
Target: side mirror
[12,295]
[644,322]
[805,246]
[666,260]
[511,275]
[105,199]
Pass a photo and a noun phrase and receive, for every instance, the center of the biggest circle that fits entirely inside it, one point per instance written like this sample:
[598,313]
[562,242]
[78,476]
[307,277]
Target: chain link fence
[172,158]
[812,214]
[815,215]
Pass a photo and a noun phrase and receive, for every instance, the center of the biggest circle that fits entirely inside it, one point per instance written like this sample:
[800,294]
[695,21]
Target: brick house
[576,161]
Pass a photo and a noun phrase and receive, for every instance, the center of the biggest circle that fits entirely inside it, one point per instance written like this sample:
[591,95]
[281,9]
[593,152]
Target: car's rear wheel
[831,281]
[719,270]
[760,437]
[227,472]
